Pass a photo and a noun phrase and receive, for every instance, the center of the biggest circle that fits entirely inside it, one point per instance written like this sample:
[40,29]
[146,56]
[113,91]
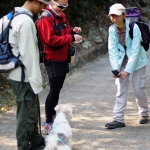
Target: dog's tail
[63,147]
[51,142]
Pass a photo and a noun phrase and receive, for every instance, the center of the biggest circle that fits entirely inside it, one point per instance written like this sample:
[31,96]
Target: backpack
[41,48]
[8,60]
[134,16]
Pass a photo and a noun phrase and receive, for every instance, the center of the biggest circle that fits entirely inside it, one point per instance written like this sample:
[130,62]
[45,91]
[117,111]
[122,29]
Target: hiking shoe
[143,119]
[114,124]
[40,146]
[47,128]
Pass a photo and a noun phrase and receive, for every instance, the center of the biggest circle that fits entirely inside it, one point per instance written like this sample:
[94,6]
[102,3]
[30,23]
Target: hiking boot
[143,119]
[47,128]
[40,146]
[114,124]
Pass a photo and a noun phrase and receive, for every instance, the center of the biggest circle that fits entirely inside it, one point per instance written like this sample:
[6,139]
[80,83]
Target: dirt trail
[91,92]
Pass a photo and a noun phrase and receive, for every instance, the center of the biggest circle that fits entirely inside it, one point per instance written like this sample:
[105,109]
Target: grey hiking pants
[139,82]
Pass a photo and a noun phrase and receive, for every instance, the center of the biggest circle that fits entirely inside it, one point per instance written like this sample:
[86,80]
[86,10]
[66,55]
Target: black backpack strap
[22,69]
[22,73]
[131,26]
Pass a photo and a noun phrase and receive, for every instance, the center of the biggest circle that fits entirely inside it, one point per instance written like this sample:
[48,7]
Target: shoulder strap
[47,13]
[131,26]
[16,13]
[20,63]
[22,12]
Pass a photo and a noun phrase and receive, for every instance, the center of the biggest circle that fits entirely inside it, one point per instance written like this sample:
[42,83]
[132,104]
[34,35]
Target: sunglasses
[61,6]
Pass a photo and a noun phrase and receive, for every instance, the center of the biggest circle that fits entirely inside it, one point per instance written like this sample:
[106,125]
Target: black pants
[56,84]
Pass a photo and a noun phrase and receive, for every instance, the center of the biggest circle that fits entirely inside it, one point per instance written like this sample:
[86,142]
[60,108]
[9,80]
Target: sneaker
[114,124]
[47,128]
[40,146]
[143,119]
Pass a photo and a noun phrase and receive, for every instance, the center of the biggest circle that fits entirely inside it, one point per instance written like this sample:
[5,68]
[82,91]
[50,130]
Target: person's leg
[139,83]
[121,99]
[27,116]
[27,130]
[56,84]
[61,85]
[120,105]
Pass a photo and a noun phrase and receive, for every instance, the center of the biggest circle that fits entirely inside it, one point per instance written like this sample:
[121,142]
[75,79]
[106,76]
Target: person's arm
[46,31]
[112,50]
[29,55]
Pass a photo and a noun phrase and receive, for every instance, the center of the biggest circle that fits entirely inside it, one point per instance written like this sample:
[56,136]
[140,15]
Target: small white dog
[60,137]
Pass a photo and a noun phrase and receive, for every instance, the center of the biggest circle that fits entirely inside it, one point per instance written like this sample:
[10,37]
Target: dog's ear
[57,108]
[69,112]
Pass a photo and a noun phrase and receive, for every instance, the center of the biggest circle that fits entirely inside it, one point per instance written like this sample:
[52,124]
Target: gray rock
[86,44]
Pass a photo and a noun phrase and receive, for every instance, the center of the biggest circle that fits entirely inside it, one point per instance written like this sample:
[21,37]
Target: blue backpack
[8,60]
[134,16]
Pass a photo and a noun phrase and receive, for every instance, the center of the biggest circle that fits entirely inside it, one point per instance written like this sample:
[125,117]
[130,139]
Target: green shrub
[8,5]
[82,12]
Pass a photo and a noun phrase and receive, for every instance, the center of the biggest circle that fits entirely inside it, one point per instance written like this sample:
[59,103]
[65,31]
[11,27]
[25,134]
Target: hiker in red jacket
[55,35]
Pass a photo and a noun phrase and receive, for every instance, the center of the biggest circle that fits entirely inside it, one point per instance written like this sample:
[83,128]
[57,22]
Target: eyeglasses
[61,6]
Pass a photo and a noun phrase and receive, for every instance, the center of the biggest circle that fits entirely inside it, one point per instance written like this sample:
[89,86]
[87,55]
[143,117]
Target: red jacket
[56,41]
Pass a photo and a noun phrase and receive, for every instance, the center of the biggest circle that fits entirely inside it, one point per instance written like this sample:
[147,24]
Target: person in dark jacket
[56,36]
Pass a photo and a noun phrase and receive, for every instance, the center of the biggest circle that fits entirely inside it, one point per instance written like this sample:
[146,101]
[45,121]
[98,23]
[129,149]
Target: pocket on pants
[143,81]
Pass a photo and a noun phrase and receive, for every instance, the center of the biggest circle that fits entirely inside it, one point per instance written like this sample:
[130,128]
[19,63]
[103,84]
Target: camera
[71,54]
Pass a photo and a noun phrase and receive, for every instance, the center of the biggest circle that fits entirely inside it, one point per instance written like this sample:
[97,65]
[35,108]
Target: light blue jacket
[136,54]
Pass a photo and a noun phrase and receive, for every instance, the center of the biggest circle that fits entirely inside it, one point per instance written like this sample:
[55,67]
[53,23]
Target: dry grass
[7,98]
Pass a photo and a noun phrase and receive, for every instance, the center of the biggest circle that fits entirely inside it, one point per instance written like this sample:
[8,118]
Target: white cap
[117,9]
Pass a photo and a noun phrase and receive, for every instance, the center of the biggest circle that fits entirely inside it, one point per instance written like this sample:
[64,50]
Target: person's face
[38,7]
[42,6]
[117,19]
[60,5]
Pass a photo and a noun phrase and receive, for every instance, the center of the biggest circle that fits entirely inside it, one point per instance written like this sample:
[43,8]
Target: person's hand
[123,74]
[77,29]
[77,37]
